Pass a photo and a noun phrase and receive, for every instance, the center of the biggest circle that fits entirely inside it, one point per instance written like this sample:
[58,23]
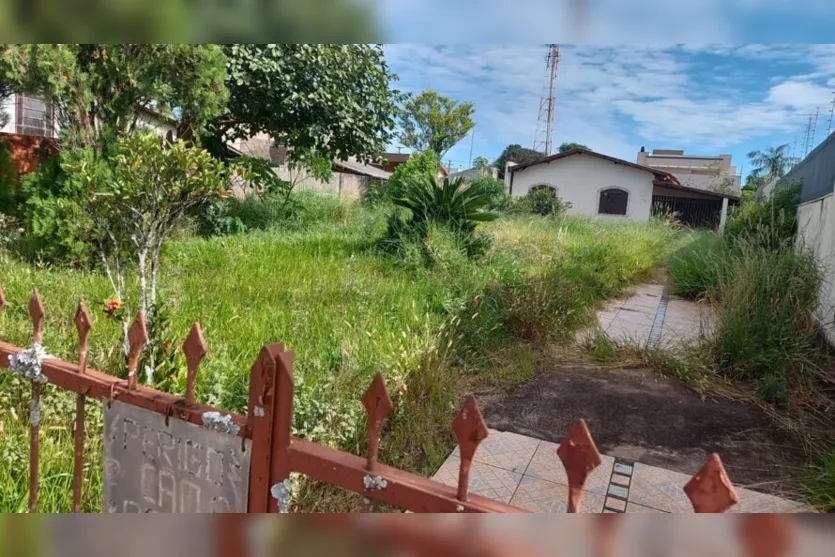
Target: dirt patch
[637,415]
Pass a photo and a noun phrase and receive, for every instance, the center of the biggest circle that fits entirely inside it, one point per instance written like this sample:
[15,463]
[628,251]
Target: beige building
[714,173]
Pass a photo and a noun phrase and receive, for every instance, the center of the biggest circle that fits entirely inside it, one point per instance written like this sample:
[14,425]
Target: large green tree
[101,90]
[518,154]
[433,121]
[192,21]
[771,163]
[571,145]
[321,101]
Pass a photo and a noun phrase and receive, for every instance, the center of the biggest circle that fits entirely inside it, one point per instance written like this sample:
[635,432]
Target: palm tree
[771,163]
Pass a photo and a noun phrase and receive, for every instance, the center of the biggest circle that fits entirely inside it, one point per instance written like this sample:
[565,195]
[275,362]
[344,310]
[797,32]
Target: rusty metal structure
[275,452]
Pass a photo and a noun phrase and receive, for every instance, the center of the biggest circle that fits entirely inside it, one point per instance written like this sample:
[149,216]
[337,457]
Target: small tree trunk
[143,280]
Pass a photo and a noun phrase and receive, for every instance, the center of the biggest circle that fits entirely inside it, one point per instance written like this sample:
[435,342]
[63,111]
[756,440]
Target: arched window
[613,201]
[551,189]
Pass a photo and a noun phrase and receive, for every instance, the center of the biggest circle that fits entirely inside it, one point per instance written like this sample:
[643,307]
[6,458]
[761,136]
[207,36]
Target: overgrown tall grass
[346,311]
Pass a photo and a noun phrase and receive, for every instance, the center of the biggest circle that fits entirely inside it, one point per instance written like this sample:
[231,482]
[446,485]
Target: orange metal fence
[275,453]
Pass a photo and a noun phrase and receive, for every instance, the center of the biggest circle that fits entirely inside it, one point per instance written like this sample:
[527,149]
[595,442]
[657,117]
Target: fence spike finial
[36,312]
[195,350]
[470,430]
[378,404]
[137,338]
[710,490]
[766,534]
[2,297]
[83,324]
[579,456]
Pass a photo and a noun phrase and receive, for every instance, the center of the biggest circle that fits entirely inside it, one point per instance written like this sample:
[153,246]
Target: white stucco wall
[816,231]
[579,179]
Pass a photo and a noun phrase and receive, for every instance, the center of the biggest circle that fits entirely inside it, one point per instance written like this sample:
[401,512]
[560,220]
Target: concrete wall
[474,173]
[342,184]
[579,179]
[816,231]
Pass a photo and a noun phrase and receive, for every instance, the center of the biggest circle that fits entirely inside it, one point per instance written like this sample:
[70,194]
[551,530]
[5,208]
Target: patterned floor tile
[541,496]
[506,450]
[485,480]
[659,489]
[546,465]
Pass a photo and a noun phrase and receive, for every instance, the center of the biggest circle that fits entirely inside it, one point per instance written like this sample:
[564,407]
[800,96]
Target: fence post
[36,312]
[262,380]
[282,428]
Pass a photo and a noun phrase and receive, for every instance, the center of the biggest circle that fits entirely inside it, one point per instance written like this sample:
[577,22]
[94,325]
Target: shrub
[446,203]
[494,188]
[770,223]
[423,165]
[55,224]
[541,201]
[10,194]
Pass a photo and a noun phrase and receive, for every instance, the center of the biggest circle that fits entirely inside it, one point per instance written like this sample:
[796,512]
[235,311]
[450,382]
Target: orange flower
[166,348]
[223,192]
[113,304]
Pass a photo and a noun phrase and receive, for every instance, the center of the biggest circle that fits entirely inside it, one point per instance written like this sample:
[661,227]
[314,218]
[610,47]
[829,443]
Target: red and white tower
[547,104]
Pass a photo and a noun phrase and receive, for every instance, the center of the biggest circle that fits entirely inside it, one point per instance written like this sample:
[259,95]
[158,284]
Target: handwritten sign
[178,468]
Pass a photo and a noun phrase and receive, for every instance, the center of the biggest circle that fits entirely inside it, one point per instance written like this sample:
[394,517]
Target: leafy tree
[481,162]
[569,146]
[135,198]
[190,21]
[518,154]
[433,121]
[771,163]
[418,166]
[321,101]
[101,90]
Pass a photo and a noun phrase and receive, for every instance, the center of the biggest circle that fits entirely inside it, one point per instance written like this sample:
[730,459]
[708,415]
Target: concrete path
[649,316]
[527,473]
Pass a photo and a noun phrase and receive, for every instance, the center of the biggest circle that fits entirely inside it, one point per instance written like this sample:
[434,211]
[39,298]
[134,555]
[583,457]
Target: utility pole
[831,111]
[472,139]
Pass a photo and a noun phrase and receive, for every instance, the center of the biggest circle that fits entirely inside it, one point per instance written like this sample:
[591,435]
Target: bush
[770,223]
[10,194]
[422,165]
[450,204]
[495,189]
[55,224]
[541,201]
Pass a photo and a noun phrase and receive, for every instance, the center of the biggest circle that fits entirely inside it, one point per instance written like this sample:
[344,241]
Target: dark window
[613,201]
[34,117]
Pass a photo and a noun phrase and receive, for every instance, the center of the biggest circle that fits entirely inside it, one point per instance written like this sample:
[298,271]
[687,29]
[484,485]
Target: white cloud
[617,98]
[799,95]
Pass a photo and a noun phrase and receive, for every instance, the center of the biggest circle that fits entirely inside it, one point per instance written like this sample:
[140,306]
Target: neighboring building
[606,187]
[816,222]
[31,129]
[350,178]
[391,161]
[473,173]
[715,173]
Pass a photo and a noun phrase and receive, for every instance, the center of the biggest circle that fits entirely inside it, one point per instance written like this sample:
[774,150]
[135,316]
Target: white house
[611,188]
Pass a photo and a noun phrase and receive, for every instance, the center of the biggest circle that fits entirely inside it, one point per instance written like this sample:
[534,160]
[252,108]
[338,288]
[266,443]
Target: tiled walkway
[650,316]
[527,473]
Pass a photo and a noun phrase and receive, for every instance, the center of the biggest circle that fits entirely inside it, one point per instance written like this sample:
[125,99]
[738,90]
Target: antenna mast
[831,112]
[547,105]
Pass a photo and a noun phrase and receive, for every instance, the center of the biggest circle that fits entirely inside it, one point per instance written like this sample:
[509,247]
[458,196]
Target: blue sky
[705,99]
